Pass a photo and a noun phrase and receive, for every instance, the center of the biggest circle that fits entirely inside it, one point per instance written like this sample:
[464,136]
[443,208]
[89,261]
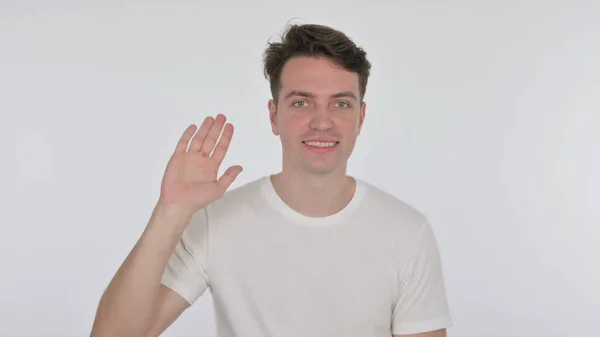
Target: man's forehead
[317,70]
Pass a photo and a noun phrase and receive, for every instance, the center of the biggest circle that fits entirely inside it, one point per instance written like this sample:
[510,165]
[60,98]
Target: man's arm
[170,306]
[422,306]
[135,302]
[436,333]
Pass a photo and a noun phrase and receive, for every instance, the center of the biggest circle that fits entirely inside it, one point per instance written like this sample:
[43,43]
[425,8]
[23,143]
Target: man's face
[319,115]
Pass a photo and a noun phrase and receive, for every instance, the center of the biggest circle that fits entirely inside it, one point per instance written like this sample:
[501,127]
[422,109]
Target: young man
[309,251]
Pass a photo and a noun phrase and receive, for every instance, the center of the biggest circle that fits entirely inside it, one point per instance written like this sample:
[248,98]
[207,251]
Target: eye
[299,104]
[344,104]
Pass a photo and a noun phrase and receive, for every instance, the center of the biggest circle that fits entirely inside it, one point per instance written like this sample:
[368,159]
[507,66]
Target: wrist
[170,209]
[171,215]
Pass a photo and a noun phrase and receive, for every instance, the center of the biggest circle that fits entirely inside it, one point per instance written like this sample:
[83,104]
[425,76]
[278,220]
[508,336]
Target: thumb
[229,176]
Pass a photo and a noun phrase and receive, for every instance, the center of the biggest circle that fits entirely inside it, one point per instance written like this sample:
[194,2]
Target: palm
[190,179]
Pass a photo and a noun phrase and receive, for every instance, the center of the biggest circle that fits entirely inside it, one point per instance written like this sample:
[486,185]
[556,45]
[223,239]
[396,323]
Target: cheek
[349,127]
[288,133]
[293,127]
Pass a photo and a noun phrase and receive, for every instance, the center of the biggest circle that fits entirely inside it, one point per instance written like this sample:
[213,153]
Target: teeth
[320,144]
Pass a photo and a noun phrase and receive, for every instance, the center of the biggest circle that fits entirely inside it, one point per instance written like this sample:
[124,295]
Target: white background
[483,115]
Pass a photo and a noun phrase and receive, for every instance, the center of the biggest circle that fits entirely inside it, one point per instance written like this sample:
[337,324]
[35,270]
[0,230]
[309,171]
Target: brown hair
[315,41]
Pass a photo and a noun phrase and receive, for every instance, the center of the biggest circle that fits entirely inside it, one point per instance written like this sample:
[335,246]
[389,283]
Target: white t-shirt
[371,270]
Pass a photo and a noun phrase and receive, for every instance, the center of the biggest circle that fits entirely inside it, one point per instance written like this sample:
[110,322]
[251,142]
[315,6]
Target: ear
[361,118]
[273,117]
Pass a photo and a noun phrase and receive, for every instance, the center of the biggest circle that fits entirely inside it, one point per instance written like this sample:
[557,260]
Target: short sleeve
[186,270]
[422,304]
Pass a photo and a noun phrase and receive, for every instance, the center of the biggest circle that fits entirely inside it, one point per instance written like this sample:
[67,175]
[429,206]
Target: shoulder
[244,192]
[395,214]
[236,200]
[407,229]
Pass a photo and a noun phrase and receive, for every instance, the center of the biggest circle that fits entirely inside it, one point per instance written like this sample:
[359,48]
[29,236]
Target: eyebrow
[311,95]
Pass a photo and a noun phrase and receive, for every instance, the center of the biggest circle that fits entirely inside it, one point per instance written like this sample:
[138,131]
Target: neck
[314,195]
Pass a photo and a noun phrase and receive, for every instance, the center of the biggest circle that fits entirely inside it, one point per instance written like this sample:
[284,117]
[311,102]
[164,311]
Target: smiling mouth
[320,144]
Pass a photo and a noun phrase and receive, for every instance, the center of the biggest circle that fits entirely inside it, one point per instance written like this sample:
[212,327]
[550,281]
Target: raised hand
[190,180]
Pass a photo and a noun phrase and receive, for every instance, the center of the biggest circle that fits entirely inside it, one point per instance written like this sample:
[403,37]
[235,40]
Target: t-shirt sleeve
[422,305]
[186,270]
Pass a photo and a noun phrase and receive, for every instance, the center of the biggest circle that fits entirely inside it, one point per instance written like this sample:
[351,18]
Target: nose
[321,119]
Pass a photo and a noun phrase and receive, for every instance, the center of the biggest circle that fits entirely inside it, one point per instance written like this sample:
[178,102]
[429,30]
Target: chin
[322,169]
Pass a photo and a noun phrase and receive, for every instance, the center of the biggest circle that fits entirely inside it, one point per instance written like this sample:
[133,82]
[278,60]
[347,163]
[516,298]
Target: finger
[223,144]
[183,142]
[229,176]
[213,135]
[200,136]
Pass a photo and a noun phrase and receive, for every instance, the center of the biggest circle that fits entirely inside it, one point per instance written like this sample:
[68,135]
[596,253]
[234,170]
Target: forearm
[128,304]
